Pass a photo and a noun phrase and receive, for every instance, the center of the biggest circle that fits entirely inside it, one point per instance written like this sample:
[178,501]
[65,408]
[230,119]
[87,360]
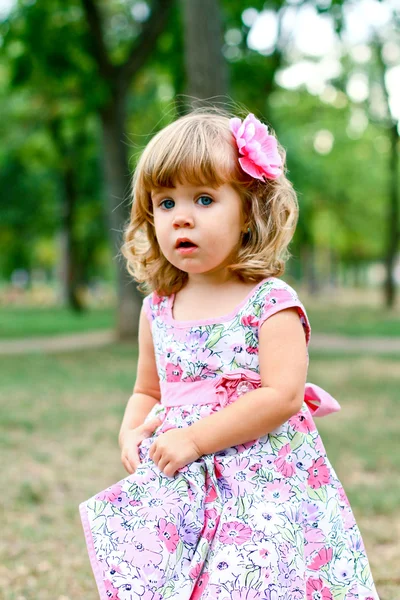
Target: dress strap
[279,296]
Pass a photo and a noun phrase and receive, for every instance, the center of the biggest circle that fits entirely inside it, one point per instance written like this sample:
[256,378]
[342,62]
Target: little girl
[230,494]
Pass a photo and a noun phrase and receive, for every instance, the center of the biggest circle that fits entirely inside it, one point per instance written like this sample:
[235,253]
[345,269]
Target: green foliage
[342,194]
[50,130]
[52,95]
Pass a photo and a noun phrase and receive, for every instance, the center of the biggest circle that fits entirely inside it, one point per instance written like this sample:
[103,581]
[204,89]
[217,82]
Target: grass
[58,442]
[350,312]
[353,321]
[59,420]
[23,322]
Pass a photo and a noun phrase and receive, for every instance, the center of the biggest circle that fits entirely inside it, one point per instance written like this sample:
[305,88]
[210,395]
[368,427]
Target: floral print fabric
[265,520]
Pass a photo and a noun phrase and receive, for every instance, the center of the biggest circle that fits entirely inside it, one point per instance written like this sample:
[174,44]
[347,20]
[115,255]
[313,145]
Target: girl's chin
[194,269]
[193,265]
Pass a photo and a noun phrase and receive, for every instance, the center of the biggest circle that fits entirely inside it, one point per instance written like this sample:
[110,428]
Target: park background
[84,84]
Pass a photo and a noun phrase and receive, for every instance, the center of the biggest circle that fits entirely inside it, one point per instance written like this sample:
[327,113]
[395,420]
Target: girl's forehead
[183,187]
[171,171]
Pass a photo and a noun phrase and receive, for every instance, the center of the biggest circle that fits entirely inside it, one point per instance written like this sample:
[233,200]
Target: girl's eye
[205,200]
[168,203]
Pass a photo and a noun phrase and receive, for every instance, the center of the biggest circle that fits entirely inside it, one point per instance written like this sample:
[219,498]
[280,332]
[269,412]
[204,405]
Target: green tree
[46,80]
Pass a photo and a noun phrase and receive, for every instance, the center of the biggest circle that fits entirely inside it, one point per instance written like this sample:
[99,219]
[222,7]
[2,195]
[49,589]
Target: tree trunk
[206,68]
[69,261]
[118,185]
[393,225]
[358,273]
[309,269]
[393,219]
[334,265]
[117,80]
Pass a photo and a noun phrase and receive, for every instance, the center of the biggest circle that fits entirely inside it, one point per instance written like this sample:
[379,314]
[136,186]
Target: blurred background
[84,84]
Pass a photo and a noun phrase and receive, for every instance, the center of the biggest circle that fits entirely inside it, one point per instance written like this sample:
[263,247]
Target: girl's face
[198,228]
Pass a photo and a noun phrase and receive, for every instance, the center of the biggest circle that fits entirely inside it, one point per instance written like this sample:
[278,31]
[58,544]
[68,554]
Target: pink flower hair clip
[260,157]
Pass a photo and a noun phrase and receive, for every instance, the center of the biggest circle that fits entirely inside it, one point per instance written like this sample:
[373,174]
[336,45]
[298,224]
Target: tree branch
[144,44]
[382,70]
[99,50]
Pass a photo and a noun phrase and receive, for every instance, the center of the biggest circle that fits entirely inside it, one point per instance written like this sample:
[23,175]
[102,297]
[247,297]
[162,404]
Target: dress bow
[229,386]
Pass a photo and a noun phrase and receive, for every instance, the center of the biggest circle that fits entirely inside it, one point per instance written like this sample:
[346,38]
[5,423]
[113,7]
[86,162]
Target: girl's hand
[131,440]
[173,450]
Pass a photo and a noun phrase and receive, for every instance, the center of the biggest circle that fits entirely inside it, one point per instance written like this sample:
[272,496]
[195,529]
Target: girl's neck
[211,280]
[206,302]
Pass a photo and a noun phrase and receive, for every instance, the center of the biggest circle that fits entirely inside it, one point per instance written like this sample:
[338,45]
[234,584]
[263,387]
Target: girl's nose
[182,221]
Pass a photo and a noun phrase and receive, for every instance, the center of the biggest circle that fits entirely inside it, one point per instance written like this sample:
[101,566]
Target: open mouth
[185,243]
[185,246]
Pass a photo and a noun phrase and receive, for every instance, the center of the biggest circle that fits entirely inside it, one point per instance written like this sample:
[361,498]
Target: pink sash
[225,388]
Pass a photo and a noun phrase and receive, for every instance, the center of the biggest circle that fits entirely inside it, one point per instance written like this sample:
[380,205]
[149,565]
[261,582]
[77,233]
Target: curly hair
[199,148]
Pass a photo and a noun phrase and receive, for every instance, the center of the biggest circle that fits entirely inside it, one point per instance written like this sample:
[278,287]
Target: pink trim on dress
[97,570]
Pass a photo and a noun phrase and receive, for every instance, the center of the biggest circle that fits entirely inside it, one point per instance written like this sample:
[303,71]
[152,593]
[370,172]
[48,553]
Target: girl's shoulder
[274,295]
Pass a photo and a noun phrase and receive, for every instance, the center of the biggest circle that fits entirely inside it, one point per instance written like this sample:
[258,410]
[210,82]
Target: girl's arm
[283,369]
[146,391]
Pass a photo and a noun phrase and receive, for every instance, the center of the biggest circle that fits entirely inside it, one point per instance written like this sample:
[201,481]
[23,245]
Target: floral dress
[264,520]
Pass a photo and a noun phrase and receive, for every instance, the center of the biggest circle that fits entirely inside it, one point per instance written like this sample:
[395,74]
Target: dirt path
[377,345]
[95,339]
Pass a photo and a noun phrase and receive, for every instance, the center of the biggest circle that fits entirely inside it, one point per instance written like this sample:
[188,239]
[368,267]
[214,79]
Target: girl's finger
[162,463]
[134,460]
[156,456]
[127,466]
[169,470]
[130,462]
[148,428]
[152,450]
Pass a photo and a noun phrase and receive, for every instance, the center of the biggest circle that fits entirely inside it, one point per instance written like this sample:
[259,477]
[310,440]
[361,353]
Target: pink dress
[265,520]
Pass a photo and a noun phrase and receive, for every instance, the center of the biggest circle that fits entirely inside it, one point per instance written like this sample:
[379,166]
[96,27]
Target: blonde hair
[199,148]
